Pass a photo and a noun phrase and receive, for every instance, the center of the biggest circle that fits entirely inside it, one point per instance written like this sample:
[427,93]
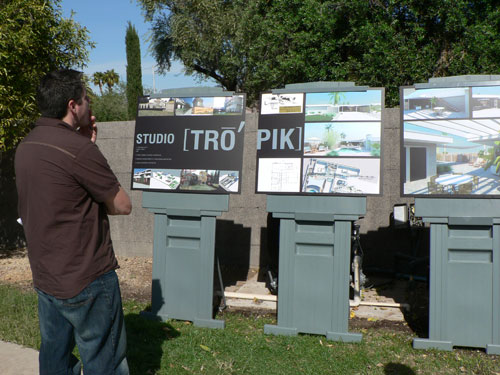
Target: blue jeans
[94,321]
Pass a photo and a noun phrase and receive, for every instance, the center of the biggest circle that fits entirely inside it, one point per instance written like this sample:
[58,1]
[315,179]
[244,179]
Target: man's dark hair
[56,89]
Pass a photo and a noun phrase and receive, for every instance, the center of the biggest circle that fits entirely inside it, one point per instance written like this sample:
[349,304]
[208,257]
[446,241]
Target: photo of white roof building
[158,179]
[486,101]
[436,148]
[440,103]
[344,106]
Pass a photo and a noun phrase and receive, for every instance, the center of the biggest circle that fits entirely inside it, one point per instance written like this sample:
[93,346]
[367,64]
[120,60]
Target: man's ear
[70,112]
[72,108]
[71,105]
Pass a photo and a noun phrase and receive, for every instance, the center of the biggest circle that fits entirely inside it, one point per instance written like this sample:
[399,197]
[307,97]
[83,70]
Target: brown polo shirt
[62,181]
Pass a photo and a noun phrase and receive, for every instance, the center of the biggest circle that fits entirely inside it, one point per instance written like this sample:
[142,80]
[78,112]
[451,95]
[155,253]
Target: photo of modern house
[194,106]
[229,105]
[197,179]
[486,101]
[218,105]
[439,103]
[142,177]
[341,176]
[158,179]
[156,106]
[451,157]
[344,106]
[342,139]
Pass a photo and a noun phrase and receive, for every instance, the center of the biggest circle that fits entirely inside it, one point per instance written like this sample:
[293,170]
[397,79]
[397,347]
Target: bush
[443,168]
[110,106]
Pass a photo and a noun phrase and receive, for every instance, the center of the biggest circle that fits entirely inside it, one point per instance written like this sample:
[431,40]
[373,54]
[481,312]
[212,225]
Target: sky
[106,21]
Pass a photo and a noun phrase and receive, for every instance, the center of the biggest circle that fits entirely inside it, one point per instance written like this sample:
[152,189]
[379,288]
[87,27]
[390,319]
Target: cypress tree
[134,73]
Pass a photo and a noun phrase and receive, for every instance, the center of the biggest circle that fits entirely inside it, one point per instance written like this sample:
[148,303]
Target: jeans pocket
[84,298]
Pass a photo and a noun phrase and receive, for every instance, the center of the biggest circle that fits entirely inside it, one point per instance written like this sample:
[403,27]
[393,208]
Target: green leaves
[111,105]
[134,71]
[34,39]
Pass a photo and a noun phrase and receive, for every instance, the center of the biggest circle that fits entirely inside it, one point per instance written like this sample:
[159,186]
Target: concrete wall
[132,235]
[246,235]
[379,239]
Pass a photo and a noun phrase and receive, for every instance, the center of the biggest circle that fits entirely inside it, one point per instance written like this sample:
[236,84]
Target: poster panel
[189,144]
[330,143]
[451,141]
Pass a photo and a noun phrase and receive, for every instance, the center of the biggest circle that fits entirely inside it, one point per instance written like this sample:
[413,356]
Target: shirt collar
[48,121]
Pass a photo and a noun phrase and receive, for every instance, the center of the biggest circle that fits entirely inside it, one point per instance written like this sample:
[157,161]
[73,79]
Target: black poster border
[303,120]
[441,85]
[209,144]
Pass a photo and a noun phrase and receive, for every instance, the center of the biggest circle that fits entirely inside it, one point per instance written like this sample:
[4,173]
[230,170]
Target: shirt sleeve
[93,172]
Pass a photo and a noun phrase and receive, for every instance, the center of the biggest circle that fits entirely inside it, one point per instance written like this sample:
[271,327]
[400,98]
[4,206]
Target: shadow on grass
[145,341]
[397,369]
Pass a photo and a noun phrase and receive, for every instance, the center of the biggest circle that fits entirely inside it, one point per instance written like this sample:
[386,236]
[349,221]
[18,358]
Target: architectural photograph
[158,179]
[194,106]
[486,101]
[344,106]
[439,103]
[342,139]
[198,179]
[451,157]
[229,105]
[156,106]
[341,176]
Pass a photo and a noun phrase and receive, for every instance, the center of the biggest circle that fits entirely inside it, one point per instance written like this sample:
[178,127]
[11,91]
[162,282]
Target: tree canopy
[111,78]
[252,46]
[98,80]
[34,39]
[134,70]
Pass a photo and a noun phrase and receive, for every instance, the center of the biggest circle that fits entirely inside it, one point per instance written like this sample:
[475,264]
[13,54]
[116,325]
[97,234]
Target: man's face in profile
[83,112]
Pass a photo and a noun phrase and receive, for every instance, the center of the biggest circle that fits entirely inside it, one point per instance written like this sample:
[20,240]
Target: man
[65,190]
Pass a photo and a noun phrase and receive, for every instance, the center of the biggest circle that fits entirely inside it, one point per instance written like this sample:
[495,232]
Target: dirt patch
[389,325]
[134,274]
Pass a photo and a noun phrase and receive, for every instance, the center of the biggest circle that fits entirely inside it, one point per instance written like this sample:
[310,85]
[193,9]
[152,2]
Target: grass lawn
[178,347]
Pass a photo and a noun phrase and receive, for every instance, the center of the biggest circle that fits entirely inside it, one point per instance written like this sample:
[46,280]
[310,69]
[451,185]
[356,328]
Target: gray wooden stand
[314,260]
[464,295]
[183,255]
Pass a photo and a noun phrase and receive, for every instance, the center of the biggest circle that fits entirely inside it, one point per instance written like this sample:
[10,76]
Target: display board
[451,140]
[326,142]
[189,143]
